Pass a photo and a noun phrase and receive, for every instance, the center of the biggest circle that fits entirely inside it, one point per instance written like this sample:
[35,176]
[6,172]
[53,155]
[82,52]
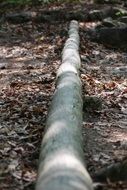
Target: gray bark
[62,164]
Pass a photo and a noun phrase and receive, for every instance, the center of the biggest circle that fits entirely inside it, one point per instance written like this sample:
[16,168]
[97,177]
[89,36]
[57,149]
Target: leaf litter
[28,60]
[105,133]
[30,55]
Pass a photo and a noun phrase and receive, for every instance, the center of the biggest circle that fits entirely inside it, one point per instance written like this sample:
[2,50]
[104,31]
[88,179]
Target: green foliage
[121,12]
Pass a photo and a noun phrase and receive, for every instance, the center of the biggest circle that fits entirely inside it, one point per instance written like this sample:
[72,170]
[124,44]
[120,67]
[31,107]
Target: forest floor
[30,54]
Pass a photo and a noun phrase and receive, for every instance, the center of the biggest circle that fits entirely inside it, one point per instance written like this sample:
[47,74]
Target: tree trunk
[61,159]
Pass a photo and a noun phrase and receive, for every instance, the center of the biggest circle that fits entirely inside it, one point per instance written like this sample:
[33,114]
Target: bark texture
[62,164]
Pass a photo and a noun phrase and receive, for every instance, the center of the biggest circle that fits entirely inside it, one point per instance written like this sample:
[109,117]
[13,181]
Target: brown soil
[30,54]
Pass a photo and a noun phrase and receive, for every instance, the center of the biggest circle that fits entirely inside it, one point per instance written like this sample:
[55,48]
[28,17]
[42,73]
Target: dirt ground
[104,75]
[30,54]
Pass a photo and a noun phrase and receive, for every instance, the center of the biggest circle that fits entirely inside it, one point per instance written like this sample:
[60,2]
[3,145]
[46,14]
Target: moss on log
[61,165]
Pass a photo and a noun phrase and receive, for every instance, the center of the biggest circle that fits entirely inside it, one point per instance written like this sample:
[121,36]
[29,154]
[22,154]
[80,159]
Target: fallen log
[108,1]
[61,164]
[114,172]
[59,15]
[110,37]
[45,16]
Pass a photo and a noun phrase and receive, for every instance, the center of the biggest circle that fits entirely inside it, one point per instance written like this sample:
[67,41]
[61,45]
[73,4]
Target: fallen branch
[61,163]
